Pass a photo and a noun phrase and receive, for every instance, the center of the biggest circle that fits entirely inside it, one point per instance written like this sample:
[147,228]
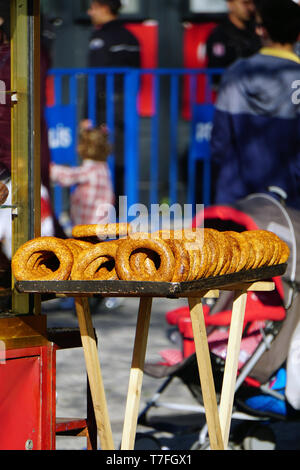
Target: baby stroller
[270,320]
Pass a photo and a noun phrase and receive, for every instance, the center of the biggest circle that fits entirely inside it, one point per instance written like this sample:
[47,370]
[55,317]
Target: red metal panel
[194,57]
[147,35]
[48,401]
[69,424]
[20,403]
[27,398]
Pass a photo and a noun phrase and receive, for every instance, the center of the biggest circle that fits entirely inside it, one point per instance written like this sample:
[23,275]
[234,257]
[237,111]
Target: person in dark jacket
[112,45]
[256,131]
[235,37]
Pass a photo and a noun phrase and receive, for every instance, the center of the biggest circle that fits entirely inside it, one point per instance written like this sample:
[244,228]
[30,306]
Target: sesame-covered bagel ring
[76,246]
[206,261]
[226,248]
[243,248]
[84,245]
[43,258]
[279,249]
[176,241]
[195,262]
[222,250]
[192,241]
[96,263]
[129,246]
[236,253]
[276,245]
[182,260]
[185,244]
[38,262]
[211,254]
[101,231]
[261,246]
[271,244]
[146,260]
[284,252]
[187,234]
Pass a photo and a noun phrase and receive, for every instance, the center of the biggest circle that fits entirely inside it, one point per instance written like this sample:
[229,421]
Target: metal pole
[25,134]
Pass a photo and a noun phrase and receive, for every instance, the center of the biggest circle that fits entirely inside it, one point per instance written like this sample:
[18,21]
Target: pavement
[115,328]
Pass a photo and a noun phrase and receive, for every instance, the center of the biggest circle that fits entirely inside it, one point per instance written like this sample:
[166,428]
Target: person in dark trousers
[256,130]
[235,37]
[112,45]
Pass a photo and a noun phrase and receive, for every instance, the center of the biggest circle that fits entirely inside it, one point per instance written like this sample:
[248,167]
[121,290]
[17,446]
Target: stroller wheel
[259,438]
[145,441]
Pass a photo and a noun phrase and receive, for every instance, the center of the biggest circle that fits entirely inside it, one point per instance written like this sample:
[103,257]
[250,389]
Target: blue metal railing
[69,93]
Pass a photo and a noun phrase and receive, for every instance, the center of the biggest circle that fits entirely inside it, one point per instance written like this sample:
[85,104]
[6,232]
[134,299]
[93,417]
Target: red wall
[194,56]
[147,34]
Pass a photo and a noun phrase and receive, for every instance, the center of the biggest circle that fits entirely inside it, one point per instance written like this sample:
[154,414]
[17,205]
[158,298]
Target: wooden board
[23,331]
[147,288]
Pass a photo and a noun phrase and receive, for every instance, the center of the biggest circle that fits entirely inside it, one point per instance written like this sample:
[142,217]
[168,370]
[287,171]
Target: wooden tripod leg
[136,374]
[205,373]
[231,364]
[94,373]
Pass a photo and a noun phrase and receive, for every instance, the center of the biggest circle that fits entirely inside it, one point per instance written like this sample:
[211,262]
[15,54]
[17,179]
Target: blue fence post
[201,126]
[58,190]
[58,90]
[73,91]
[110,121]
[154,167]
[174,113]
[131,137]
[92,98]
[193,90]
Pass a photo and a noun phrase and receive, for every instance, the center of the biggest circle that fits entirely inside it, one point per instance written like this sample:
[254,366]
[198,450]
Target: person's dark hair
[281,18]
[114,5]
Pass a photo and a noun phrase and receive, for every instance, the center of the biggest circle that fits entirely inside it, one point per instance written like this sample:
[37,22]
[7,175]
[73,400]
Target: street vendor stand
[27,392]
[218,420]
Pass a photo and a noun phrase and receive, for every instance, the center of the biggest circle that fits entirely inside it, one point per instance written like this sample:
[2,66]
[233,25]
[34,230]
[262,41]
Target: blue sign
[201,129]
[202,125]
[62,139]
[62,134]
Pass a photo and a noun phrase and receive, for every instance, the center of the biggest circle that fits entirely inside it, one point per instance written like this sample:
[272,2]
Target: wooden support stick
[94,373]
[258,286]
[206,375]
[136,374]
[231,364]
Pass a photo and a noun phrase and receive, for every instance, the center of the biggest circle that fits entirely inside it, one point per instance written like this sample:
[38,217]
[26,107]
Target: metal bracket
[13,97]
